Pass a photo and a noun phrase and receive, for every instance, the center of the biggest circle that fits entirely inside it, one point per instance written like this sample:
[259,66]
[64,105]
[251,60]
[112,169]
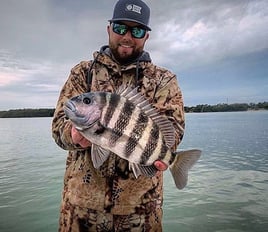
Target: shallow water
[227,189]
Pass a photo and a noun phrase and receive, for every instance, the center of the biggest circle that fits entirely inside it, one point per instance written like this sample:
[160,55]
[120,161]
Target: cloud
[54,30]
[27,83]
[205,31]
[42,39]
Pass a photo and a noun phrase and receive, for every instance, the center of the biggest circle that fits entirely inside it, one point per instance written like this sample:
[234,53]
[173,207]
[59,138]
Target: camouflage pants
[76,219]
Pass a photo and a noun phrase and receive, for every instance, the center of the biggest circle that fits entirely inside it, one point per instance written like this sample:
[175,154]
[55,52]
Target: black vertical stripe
[136,134]
[122,121]
[102,97]
[112,104]
[172,158]
[151,144]
[164,150]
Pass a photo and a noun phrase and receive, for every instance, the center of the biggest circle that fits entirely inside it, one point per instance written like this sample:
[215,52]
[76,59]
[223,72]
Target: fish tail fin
[183,162]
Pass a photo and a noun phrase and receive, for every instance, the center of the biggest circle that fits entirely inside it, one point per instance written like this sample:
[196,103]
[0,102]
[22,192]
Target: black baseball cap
[132,10]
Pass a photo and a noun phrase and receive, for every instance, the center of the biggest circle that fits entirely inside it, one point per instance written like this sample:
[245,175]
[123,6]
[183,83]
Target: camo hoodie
[113,188]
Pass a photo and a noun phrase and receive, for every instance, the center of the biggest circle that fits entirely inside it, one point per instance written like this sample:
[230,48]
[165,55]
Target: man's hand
[161,166]
[79,139]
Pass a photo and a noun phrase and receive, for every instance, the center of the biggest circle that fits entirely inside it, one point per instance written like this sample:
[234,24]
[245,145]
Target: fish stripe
[136,154]
[151,144]
[172,158]
[164,150]
[122,121]
[112,103]
[157,153]
[136,134]
[102,98]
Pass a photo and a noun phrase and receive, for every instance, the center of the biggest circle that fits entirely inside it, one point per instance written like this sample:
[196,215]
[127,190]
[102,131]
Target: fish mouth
[80,120]
[70,110]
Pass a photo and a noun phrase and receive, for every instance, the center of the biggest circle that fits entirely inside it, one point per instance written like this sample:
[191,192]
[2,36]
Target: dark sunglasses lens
[119,28]
[138,32]
[122,29]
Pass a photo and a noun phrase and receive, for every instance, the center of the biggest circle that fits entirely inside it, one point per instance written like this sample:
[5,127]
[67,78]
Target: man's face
[125,48]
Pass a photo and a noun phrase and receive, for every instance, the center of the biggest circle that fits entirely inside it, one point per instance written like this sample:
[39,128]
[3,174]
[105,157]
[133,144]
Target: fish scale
[151,145]
[122,122]
[136,133]
[126,124]
[111,104]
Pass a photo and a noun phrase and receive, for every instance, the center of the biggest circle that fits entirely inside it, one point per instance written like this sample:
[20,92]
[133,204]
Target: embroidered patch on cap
[134,8]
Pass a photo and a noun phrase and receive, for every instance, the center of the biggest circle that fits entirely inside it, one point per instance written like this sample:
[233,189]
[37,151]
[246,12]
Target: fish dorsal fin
[122,88]
[165,126]
[98,155]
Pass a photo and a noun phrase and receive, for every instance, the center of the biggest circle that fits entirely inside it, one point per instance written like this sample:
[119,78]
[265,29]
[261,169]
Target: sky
[217,48]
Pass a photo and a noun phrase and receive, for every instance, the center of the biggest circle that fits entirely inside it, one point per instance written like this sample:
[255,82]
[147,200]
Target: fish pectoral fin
[183,162]
[138,170]
[98,155]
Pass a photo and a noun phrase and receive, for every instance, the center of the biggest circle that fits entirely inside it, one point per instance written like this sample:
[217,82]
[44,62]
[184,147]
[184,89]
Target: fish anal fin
[138,170]
[183,162]
[98,155]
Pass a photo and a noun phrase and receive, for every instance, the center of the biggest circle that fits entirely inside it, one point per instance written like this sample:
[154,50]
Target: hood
[144,57]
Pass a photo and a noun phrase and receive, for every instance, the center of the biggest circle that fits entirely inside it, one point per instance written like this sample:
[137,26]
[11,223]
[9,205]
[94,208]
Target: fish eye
[86,101]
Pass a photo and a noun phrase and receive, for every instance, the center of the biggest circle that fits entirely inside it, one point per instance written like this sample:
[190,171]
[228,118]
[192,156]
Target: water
[227,189]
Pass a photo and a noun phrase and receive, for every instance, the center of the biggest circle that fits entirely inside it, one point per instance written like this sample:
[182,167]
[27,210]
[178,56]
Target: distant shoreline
[204,108]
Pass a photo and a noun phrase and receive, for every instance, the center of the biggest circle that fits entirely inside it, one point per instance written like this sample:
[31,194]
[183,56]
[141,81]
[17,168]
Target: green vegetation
[227,107]
[28,113]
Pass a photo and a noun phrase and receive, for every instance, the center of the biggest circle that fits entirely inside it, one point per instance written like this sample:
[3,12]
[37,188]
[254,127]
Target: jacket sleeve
[61,126]
[162,87]
[170,102]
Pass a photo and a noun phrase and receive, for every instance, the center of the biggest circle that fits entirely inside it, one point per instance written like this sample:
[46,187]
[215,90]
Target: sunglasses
[122,29]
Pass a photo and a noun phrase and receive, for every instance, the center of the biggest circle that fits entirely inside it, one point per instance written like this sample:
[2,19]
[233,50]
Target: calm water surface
[227,189]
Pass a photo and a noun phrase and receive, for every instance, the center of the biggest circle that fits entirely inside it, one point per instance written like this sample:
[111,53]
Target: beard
[124,57]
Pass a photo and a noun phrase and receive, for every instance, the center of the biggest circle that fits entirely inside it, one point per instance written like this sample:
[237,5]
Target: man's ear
[108,29]
[147,36]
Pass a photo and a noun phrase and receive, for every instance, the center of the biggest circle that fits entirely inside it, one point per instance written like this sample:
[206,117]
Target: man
[111,198]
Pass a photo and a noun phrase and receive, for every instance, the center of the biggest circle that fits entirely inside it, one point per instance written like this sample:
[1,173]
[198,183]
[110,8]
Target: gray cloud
[42,39]
[203,31]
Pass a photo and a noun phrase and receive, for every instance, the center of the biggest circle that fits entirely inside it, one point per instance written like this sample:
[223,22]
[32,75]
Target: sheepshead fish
[126,124]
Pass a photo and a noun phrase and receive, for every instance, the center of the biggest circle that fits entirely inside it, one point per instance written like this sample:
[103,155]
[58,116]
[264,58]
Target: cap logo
[134,8]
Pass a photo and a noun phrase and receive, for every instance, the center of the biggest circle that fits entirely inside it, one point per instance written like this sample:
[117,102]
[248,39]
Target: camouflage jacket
[113,188]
